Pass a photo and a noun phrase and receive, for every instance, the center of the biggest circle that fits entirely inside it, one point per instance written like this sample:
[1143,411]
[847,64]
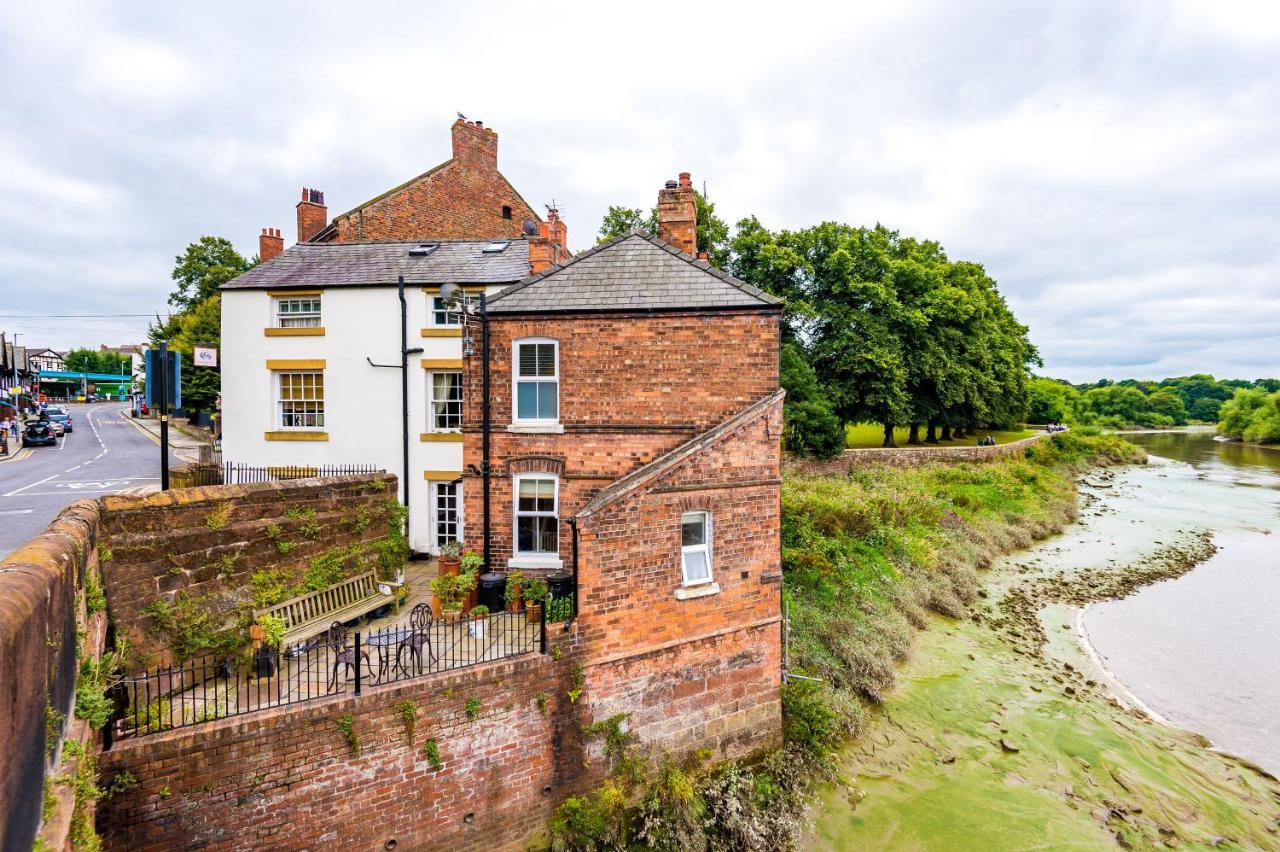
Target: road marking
[16,511]
[32,485]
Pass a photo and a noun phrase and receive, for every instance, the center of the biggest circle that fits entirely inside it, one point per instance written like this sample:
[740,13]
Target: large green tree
[712,231]
[205,266]
[93,361]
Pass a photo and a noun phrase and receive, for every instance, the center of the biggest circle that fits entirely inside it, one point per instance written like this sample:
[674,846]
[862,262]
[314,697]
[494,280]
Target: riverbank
[1000,735]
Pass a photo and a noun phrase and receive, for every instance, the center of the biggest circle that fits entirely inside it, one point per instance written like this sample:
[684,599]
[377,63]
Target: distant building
[45,360]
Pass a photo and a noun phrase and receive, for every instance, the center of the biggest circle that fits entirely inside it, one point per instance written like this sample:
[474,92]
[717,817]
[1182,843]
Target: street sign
[204,356]
[173,375]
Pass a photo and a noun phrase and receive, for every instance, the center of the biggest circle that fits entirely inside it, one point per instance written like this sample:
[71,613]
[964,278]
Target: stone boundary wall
[209,541]
[287,777]
[905,457]
[40,613]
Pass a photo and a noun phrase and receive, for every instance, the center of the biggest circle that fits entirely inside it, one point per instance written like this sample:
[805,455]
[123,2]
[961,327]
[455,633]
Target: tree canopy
[205,266]
[1252,414]
[93,361]
[712,231]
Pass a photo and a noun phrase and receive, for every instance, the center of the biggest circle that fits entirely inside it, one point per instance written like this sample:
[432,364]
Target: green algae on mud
[996,739]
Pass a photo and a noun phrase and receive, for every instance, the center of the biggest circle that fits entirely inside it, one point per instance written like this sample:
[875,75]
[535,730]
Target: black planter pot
[265,660]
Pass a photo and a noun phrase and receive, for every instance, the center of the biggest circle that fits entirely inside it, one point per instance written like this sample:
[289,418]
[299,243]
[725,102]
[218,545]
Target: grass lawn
[859,436]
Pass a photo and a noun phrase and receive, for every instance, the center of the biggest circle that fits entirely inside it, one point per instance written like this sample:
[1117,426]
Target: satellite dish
[530,228]
[448,292]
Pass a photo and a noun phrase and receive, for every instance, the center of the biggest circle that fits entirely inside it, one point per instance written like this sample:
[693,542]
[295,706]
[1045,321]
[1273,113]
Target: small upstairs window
[302,312]
[537,381]
[695,547]
[506,211]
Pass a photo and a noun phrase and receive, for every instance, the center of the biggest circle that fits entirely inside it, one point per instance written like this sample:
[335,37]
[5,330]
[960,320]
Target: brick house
[463,198]
[635,417]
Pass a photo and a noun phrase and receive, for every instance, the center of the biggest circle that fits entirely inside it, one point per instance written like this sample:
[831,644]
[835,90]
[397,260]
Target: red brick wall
[632,387]
[286,778]
[460,199]
[702,672]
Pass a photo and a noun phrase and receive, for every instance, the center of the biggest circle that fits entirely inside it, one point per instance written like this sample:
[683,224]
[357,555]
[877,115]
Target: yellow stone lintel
[291,435]
[295,363]
[282,293]
[442,363]
[301,331]
[443,331]
[441,475]
[446,437]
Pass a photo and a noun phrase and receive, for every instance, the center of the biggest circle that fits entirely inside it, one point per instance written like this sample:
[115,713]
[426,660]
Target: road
[105,454]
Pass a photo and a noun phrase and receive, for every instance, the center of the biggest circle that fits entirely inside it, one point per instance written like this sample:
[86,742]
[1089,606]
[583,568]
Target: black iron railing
[232,473]
[334,663]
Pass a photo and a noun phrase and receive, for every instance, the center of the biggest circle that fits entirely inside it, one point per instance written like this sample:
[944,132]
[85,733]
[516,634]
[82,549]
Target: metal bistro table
[384,640]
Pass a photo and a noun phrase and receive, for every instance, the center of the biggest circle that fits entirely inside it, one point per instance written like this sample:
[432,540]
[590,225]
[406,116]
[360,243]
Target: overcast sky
[1115,165]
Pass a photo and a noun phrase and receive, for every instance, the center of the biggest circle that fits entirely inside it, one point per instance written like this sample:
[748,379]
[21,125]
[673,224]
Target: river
[1202,651]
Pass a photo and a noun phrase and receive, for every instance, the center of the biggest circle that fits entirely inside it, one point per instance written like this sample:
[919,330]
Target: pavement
[183,445]
[105,454]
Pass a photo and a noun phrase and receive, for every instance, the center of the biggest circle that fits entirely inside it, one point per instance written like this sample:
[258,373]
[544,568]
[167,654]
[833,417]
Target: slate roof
[635,272]
[645,477]
[372,264]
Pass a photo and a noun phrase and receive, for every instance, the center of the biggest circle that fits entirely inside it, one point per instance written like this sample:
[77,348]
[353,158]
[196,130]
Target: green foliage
[579,680]
[559,610]
[95,597]
[809,716]
[408,710]
[810,425]
[93,361]
[598,821]
[619,745]
[712,231]
[471,562]
[218,518]
[479,611]
[473,708]
[452,589]
[283,547]
[347,727]
[227,564]
[104,554]
[1251,415]
[272,628]
[511,593]
[534,590]
[392,549]
[432,751]
[268,588]
[193,628]
[543,699]
[84,782]
[204,267]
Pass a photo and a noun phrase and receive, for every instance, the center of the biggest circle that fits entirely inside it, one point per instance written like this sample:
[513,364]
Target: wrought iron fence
[334,663]
[233,473]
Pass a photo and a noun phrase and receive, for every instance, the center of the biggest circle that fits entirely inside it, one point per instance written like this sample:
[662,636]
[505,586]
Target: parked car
[60,418]
[39,433]
[58,429]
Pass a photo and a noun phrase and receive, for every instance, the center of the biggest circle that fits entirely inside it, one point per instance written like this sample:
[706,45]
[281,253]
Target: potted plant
[511,594]
[450,557]
[479,619]
[471,562]
[267,633]
[534,592]
[452,589]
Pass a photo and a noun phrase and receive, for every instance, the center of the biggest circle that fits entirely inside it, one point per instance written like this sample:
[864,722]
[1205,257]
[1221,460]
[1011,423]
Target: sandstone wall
[905,457]
[208,542]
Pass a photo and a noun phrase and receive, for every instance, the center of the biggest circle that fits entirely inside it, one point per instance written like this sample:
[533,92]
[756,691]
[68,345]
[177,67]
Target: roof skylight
[496,247]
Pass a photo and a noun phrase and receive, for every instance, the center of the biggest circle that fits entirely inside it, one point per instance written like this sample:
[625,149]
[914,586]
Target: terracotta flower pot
[435,606]
[534,612]
[452,615]
[449,565]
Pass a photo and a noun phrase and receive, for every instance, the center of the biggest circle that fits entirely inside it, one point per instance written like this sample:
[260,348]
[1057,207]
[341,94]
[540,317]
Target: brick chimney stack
[678,215]
[312,214]
[551,245]
[474,143]
[270,244]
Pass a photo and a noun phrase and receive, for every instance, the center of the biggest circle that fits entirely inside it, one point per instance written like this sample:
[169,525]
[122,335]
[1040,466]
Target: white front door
[446,513]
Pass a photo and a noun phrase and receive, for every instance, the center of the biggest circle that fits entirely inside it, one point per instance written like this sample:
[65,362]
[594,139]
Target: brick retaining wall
[905,457]
[287,778]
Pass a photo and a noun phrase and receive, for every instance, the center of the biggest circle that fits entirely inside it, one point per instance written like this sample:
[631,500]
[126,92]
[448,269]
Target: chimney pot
[270,244]
[312,214]
[678,215]
[671,184]
[685,179]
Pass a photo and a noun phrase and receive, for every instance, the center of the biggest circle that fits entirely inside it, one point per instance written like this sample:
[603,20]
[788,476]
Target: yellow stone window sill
[446,331]
[291,435]
[446,437]
[307,331]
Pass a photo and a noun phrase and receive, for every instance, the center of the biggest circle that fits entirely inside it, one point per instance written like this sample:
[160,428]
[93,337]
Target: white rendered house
[301,337]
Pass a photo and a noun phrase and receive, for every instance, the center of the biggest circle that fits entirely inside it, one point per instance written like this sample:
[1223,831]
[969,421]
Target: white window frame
[431,400]
[277,379]
[433,496]
[535,558]
[517,380]
[278,318]
[468,298]
[705,549]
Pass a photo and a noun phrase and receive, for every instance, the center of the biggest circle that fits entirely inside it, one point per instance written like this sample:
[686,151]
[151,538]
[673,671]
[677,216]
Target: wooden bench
[311,614]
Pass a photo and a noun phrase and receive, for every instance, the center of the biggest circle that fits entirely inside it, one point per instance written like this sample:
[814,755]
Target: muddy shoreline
[1004,728]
